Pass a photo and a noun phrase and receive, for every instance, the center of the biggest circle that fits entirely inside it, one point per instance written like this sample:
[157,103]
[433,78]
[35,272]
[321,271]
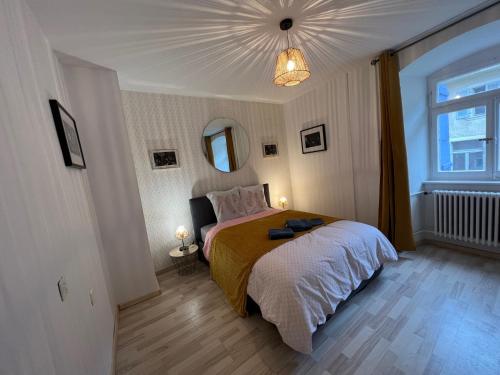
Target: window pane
[473,83]
[480,111]
[460,148]
[476,161]
[459,162]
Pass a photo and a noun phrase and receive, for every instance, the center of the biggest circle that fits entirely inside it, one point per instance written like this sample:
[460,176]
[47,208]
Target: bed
[297,284]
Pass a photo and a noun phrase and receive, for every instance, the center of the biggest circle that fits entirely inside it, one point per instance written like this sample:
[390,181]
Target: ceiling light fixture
[291,66]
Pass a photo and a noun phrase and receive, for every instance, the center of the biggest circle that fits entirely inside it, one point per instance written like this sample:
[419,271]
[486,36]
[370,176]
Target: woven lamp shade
[291,68]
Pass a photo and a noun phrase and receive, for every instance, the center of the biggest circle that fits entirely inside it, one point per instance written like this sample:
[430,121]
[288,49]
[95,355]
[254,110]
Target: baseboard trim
[115,341]
[462,249]
[427,237]
[135,301]
[165,270]
[421,236]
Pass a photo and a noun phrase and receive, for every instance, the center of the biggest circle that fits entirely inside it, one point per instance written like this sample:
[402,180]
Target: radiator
[467,216]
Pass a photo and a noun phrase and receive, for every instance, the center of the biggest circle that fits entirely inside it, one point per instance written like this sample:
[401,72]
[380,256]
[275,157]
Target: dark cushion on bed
[278,234]
[316,221]
[298,225]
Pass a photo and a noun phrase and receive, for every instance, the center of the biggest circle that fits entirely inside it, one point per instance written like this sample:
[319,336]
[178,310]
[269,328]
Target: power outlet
[63,288]
[91,295]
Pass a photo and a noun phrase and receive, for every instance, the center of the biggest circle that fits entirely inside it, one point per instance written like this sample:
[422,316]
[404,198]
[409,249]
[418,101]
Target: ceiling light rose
[291,66]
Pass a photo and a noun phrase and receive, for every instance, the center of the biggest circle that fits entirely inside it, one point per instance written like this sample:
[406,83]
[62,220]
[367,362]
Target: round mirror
[225,144]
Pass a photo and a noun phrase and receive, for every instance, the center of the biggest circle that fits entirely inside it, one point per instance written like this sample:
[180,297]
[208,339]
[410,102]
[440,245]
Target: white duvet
[302,281]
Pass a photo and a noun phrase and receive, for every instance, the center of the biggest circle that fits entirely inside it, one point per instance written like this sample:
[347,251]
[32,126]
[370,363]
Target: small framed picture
[270,150]
[313,139]
[163,159]
[68,136]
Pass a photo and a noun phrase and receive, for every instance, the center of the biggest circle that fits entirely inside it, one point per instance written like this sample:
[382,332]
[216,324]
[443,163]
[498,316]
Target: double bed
[296,283]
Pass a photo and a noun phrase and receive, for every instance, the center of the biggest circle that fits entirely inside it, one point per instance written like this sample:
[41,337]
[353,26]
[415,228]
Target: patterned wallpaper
[344,180]
[177,122]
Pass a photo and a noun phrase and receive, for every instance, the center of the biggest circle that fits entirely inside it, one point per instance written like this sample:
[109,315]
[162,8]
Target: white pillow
[253,199]
[227,204]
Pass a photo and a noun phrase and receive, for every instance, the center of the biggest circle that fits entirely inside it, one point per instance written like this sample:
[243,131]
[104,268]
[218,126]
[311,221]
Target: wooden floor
[436,311]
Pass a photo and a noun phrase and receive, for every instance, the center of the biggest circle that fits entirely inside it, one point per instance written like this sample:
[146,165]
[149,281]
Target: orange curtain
[394,219]
[230,149]
[210,153]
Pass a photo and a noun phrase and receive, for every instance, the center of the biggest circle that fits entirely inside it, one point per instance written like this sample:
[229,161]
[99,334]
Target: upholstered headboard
[203,213]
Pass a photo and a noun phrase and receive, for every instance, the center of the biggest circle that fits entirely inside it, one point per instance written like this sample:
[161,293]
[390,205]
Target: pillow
[227,204]
[253,199]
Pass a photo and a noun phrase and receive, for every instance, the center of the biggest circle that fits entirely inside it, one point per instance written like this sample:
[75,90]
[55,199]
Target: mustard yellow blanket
[236,249]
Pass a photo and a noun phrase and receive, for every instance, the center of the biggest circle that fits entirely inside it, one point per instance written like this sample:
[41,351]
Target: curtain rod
[409,43]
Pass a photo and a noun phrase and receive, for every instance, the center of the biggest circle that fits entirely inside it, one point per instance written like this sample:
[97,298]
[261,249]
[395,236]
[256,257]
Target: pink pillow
[253,199]
[227,204]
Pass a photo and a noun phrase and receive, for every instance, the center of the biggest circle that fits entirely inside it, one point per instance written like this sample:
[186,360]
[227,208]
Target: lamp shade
[291,68]
[181,233]
[283,201]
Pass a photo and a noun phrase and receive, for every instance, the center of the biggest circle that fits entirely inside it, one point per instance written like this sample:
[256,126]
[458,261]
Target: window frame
[490,150]
[466,65]
[489,99]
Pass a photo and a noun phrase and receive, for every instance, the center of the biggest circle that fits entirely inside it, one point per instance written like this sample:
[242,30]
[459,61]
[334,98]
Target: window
[460,145]
[469,113]
[468,84]
[464,110]
[468,155]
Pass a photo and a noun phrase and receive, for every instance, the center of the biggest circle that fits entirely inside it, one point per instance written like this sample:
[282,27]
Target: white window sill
[467,182]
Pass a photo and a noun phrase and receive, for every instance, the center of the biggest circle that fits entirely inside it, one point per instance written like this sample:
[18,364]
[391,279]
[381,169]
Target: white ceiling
[228,48]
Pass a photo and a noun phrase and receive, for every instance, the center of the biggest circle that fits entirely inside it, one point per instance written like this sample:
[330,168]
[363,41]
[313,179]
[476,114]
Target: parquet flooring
[436,311]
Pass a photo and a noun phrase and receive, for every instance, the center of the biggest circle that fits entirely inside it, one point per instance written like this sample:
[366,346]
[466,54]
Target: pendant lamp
[291,66]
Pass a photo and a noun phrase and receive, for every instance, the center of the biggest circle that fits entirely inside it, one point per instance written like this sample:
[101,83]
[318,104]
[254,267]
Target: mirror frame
[204,147]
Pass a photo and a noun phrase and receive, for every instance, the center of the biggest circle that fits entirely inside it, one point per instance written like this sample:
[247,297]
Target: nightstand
[184,261]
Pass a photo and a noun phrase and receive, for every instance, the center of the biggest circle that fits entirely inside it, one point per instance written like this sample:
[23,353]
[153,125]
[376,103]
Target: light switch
[63,288]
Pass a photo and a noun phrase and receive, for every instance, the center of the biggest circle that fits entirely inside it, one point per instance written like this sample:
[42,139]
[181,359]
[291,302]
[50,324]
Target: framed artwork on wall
[68,136]
[313,139]
[270,150]
[164,159]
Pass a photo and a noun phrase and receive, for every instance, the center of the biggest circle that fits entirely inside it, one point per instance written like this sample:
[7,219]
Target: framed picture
[313,139]
[163,159]
[270,150]
[68,136]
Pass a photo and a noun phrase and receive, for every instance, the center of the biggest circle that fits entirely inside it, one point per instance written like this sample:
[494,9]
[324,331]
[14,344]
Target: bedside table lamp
[283,202]
[181,234]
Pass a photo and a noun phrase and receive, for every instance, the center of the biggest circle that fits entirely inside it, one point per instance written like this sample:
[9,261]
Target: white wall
[344,180]
[46,221]
[416,122]
[96,102]
[168,121]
